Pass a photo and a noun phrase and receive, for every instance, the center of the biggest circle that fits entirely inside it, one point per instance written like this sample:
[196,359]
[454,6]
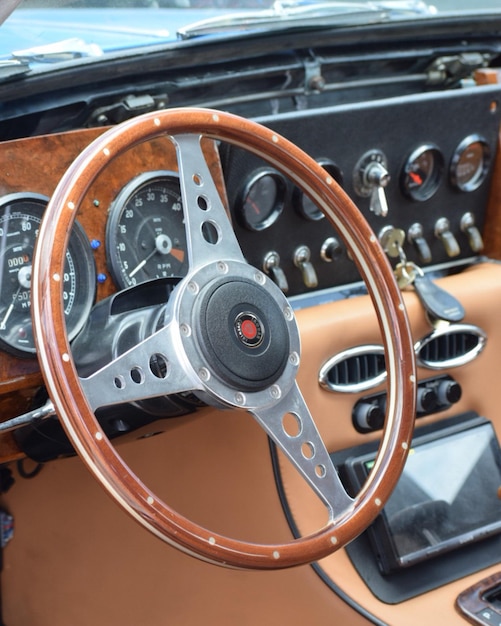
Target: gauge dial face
[145,234]
[306,207]
[422,172]
[262,200]
[470,163]
[20,219]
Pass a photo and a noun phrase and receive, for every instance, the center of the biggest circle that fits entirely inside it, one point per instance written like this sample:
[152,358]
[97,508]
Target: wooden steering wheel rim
[70,402]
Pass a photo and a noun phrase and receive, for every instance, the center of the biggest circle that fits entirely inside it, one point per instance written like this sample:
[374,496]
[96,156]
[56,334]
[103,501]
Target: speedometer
[145,233]
[20,218]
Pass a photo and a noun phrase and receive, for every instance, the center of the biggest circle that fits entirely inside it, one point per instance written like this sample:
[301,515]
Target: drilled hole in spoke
[203,203]
[320,471]
[119,382]
[291,425]
[137,375]
[210,232]
[159,366]
[197,179]
[308,450]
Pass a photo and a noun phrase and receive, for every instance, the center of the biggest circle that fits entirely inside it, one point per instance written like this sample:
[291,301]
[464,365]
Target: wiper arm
[58,52]
[286,14]
[11,68]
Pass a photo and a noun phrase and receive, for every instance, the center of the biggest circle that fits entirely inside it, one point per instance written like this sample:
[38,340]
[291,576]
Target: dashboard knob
[302,261]
[443,232]
[449,392]
[271,265]
[368,417]
[426,399]
[331,250]
[468,227]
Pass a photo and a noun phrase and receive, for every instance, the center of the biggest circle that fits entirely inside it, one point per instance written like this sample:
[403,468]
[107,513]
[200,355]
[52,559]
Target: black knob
[426,399]
[449,392]
[368,417]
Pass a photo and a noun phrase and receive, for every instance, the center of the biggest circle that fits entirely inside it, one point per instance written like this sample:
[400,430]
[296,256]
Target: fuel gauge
[422,172]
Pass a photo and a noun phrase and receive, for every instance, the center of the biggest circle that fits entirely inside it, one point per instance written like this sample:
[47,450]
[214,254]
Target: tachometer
[20,218]
[145,234]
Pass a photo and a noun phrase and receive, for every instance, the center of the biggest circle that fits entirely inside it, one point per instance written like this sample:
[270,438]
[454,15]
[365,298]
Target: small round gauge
[422,172]
[470,163]
[20,218]
[262,200]
[306,207]
[145,233]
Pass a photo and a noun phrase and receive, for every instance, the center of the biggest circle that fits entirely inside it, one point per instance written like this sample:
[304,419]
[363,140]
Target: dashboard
[423,167]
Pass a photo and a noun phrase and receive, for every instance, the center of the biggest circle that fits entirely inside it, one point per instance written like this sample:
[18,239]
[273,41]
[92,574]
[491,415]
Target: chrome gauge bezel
[15,292]
[118,256]
[469,180]
[247,207]
[427,185]
[303,205]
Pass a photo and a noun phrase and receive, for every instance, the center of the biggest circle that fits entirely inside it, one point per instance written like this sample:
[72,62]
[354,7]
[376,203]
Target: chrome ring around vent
[354,370]
[361,368]
[450,346]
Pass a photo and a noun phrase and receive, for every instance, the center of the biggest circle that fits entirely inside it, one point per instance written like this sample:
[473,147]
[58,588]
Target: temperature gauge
[422,172]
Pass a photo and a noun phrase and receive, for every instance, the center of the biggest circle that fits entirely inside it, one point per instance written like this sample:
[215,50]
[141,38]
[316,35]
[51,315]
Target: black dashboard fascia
[344,133]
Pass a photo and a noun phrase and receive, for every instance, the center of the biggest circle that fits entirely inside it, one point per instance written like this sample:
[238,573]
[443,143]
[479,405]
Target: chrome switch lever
[378,178]
[271,265]
[467,225]
[415,235]
[302,261]
[443,232]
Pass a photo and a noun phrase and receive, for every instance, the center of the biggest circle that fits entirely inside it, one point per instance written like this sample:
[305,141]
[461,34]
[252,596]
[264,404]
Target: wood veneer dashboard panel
[35,165]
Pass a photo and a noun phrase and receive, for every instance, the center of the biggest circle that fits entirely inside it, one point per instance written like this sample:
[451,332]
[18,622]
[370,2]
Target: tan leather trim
[338,326]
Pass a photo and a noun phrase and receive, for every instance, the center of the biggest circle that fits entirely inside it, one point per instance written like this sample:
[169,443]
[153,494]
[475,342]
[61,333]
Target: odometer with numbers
[145,233]
[20,219]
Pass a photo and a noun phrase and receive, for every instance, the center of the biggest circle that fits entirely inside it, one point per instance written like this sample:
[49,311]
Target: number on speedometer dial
[145,235]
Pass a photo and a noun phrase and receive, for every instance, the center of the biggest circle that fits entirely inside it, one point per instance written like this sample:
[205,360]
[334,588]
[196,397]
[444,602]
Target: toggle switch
[444,233]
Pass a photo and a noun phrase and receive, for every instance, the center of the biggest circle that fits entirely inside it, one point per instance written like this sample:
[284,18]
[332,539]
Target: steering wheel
[230,336]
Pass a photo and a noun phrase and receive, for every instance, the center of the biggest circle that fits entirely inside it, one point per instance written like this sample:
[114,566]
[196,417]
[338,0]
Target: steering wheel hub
[243,333]
[238,328]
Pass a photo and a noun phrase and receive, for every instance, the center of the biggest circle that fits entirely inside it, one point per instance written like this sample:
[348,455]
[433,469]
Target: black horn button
[243,334]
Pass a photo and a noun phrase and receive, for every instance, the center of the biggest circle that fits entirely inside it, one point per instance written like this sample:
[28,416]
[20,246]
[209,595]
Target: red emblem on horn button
[249,329]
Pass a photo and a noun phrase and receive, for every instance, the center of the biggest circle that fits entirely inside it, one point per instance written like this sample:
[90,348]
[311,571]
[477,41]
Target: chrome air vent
[354,370]
[450,346]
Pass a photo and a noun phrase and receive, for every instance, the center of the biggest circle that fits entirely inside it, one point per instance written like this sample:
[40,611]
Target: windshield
[51,31]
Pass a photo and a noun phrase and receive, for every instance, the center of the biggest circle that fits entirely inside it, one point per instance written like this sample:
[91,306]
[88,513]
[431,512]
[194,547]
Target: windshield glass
[51,31]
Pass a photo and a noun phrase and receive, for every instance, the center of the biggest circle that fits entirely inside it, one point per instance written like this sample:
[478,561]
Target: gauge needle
[163,245]
[3,323]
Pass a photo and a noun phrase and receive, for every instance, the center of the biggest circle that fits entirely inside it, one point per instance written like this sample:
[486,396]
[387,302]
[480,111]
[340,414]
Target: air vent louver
[354,370]
[450,346]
